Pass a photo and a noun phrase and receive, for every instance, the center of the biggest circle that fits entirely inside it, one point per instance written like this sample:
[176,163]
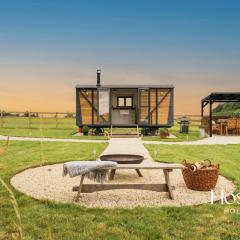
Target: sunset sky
[47,47]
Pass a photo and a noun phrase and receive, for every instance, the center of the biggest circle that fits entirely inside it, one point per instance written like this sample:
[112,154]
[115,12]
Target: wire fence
[28,119]
[57,120]
[191,117]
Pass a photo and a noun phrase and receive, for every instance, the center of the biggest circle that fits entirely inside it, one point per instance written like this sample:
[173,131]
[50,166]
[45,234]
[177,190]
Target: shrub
[164,133]
[148,131]
[98,131]
[85,130]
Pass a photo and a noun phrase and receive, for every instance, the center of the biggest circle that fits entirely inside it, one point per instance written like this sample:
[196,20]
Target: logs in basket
[200,179]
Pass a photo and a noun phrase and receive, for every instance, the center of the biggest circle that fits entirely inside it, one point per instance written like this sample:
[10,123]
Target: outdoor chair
[231,125]
[205,125]
[215,128]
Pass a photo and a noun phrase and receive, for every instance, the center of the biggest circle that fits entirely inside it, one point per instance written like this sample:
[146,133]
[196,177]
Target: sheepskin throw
[94,170]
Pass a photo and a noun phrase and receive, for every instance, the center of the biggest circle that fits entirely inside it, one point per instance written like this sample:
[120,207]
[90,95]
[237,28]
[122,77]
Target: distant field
[66,128]
[42,127]
[51,122]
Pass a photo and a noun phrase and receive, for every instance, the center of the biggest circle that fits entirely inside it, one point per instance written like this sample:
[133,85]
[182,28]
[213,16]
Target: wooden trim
[89,188]
[162,99]
[169,186]
[80,187]
[168,166]
[113,171]
[93,106]
[123,108]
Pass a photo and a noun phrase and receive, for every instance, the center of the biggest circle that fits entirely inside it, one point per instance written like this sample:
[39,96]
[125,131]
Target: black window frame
[125,101]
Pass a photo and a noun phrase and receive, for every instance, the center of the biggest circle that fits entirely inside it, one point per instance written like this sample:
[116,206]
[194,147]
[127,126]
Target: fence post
[1,118]
[29,119]
[56,116]
[41,122]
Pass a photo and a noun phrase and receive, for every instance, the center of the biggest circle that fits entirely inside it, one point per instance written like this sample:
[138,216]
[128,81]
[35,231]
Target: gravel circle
[48,183]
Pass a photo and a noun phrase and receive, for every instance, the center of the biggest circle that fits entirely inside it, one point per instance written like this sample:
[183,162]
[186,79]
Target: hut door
[103,106]
[144,106]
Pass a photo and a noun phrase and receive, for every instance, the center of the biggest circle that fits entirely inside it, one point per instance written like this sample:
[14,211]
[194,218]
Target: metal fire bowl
[123,158]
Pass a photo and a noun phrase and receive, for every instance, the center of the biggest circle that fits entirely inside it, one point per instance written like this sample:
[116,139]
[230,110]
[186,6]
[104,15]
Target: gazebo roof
[222,97]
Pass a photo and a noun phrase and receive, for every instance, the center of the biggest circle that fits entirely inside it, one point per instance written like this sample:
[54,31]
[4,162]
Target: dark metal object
[98,78]
[123,159]
[184,124]
[217,97]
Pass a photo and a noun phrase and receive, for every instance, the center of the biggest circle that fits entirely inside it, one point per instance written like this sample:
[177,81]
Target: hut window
[125,102]
[129,102]
[103,108]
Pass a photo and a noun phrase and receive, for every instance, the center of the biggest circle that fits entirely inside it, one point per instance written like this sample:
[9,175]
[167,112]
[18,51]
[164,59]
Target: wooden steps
[125,133]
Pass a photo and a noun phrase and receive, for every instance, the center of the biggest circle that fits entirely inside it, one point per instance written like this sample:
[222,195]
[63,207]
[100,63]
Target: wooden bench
[166,187]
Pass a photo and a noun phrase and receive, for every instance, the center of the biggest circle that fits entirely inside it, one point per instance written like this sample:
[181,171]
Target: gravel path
[35,139]
[127,146]
[207,141]
[47,183]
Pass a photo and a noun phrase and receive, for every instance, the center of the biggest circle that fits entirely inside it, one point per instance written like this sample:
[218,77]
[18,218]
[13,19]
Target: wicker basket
[204,179]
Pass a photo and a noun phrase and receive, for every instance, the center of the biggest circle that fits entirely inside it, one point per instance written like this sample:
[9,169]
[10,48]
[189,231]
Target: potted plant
[85,130]
[164,133]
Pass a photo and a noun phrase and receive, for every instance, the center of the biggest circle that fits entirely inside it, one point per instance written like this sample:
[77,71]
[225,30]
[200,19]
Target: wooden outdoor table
[166,187]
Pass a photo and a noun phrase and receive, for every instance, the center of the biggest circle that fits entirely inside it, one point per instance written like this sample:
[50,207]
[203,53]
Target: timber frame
[167,168]
[217,97]
[156,105]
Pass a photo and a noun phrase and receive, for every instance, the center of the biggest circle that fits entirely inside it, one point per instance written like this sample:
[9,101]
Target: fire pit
[123,159]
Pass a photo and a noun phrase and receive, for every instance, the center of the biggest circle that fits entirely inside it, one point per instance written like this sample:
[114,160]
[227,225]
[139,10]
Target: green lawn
[228,156]
[65,128]
[47,132]
[50,122]
[48,220]
[192,136]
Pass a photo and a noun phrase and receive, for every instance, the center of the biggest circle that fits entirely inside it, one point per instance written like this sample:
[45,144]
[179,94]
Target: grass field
[228,156]
[193,134]
[49,220]
[48,133]
[18,126]
[66,128]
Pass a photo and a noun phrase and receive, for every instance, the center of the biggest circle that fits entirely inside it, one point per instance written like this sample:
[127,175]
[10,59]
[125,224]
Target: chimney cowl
[98,78]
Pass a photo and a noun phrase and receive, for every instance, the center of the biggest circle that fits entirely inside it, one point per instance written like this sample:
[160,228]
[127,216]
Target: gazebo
[217,97]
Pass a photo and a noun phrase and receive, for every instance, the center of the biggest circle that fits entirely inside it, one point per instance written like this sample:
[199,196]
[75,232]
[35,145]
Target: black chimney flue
[98,78]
